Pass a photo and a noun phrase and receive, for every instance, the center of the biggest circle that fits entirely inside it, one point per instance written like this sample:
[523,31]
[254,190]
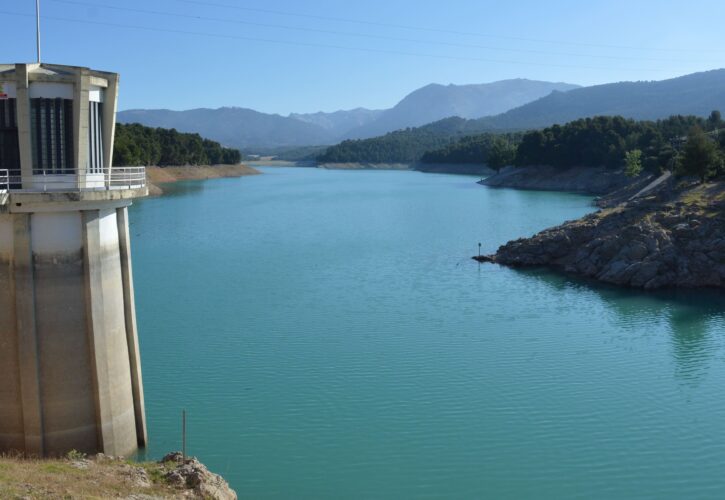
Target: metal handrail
[106,179]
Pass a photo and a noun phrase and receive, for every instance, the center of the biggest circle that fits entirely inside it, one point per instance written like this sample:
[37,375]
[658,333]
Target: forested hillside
[138,145]
[598,142]
[474,149]
[402,146]
[695,94]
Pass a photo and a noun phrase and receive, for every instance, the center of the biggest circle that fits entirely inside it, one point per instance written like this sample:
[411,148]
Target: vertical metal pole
[479,249]
[183,435]
[37,27]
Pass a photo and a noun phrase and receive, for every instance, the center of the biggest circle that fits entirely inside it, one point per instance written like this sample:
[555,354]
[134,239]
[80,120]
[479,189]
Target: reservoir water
[330,337]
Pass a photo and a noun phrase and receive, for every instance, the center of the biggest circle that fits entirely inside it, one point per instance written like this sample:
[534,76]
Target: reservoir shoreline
[370,319]
[639,243]
[158,176]
[671,236]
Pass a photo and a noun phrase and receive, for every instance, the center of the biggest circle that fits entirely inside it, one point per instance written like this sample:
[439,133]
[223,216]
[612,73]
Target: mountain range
[245,128]
[435,102]
[507,105]
[697,94]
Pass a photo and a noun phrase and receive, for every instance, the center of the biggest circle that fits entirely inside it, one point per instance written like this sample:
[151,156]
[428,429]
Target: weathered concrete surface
[65,381]
[11,411]
[23,280]
[115,420]
[68,201]
[129,301]
[65,358]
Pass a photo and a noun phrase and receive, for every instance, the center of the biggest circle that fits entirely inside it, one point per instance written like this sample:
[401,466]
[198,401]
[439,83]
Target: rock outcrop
[673,238]
[193,475]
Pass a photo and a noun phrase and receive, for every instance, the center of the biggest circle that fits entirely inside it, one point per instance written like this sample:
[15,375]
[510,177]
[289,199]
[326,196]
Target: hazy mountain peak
[244,127]
[436,101]
[339,122]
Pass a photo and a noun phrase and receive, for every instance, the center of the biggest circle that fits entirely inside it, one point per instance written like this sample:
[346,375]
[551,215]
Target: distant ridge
[435,102]
[233,127]
[340,122]
[248,129]
[695,94]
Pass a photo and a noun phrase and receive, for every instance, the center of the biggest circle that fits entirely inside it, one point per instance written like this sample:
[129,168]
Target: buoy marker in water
[482,258]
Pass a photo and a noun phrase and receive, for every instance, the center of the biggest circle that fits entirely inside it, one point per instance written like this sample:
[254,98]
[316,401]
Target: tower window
[9,147]
[95,137]
[51,123]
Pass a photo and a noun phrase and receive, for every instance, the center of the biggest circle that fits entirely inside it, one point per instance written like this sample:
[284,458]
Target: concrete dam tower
[70,372]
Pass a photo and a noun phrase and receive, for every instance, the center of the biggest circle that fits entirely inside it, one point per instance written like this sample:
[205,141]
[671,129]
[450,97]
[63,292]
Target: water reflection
[173,189]
[695,319]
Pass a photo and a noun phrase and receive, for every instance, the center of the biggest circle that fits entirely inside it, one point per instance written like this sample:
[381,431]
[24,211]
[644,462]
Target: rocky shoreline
[587,180]
[672,236]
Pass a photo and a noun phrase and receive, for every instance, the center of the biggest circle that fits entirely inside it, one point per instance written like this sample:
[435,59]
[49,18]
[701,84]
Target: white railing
[114,178]
[126,177]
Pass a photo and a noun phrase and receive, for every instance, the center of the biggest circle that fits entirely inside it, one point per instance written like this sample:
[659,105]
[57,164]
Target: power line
[327,46]
[440,30]
[364,35]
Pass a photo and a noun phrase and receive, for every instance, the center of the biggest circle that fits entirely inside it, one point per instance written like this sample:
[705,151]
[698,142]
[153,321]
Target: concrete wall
[65,361]
[107,328]
[66,389]
[11,412]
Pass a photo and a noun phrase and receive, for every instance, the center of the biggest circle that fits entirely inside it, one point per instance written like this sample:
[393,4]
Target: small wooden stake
[183,435]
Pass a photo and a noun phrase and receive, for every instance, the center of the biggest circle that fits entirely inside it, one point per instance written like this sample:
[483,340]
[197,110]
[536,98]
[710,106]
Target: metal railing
[114,178]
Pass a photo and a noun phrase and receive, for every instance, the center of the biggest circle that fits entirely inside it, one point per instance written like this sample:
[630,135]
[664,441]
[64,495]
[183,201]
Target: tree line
[688,145]
[402,146]
[136,144]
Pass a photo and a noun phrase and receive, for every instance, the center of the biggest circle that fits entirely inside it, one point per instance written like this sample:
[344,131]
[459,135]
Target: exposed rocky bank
[433,168]
[674,236]
[588,180]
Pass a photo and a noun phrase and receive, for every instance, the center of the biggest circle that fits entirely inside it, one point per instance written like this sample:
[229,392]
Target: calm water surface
[330,338]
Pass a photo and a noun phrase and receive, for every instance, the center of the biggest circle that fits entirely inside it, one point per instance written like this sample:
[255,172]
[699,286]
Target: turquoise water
[330,337]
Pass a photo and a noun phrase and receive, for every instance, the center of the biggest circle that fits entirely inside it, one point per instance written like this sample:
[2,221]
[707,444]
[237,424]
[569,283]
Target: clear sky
[283,56]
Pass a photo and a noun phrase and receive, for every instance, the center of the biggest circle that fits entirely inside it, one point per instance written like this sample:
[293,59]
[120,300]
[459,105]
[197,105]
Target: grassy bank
[77,476]
[157,176]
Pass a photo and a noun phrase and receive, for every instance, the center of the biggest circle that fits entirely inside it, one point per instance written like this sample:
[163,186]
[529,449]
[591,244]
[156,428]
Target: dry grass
[79,478]
[704,194]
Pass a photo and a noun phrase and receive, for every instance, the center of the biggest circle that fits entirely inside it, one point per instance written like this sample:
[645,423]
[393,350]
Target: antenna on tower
[37,27]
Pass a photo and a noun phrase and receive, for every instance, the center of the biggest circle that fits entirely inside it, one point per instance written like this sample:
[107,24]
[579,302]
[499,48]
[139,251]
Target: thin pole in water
[183,435]
[37,27]
[479,249]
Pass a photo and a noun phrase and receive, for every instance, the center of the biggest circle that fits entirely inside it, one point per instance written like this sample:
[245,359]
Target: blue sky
[283,56]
